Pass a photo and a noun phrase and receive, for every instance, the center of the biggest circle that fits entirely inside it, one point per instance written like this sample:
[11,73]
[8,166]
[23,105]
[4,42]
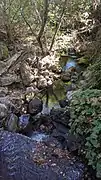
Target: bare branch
[28,24]
[36,10]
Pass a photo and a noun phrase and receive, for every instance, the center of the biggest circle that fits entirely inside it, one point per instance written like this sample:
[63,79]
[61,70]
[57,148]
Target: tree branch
[58,26]
[45,15]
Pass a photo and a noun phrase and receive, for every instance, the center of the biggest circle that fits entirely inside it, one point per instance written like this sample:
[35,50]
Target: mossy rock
[4,53]
[83,61]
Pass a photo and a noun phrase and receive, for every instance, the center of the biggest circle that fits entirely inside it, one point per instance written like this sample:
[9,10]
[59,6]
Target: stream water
[38,136]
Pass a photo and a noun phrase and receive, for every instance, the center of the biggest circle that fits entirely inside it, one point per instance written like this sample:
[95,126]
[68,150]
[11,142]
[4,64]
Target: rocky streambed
[35,108]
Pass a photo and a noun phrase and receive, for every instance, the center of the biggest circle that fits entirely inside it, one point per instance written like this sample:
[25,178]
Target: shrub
[92,75]
[86,123]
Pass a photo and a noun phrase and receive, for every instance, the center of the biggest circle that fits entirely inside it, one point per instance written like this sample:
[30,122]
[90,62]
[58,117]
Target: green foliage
[83,61]
[93,75]
[86,123]
[14,14]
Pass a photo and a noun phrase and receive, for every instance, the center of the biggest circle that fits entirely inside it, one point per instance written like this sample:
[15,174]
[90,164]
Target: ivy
[86,122]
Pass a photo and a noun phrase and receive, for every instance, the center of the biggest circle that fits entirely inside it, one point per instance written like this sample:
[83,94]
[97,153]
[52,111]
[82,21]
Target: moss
[83,60]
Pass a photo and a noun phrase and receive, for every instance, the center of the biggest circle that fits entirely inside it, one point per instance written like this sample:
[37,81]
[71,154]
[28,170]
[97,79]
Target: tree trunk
[45,15]
[58,26]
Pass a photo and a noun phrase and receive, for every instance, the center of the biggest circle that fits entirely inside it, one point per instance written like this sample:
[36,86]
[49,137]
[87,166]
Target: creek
[55,148]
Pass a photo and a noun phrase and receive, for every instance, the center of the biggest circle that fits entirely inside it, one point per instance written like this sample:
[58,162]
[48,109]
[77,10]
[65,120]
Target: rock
[31,91]
[49,82]
[9,79]
[55,68]
[3,91]
[6,101]
[24,121]
[26,74]
[72,142]
[67,140]
[61,115]
[83,61]
[69,95]
[63,103]
[56,77]
[12,123]
[42,83]
[3,111]
[6,113]
[60,128]
[17,162]
[35,106]
[45,73]
[2,67]
[71,52]
[65,76]
[4,53]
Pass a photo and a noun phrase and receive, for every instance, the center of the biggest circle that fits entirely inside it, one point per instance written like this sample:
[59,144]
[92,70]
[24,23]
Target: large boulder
[17,162]
[35,106]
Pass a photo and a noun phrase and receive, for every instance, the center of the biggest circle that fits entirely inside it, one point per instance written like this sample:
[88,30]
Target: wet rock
[60,128]
[60,115]
[9,79]
[26,74]
[71,87]
[69,95]
[68,141]
[72,142]
[63,103]
[12,123]
[35,106]
[24,121]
